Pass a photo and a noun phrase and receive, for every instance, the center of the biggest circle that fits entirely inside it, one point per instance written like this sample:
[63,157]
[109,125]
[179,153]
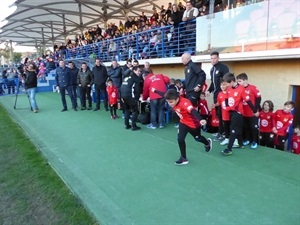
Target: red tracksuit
[112,93]
[296,144]
[203,108]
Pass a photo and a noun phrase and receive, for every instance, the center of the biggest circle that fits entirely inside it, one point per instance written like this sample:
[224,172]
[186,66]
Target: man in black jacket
[84,80]
[74,72]
[217,72]
[194,79]
[130,94]
[99,78]
[115,73]
[63,84]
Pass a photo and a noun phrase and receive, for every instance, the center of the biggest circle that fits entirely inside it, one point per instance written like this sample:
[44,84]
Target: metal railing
[167,41]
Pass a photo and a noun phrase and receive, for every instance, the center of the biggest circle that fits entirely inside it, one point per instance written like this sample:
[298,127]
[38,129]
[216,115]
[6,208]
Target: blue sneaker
[254,145]
[246,143]
[150,126]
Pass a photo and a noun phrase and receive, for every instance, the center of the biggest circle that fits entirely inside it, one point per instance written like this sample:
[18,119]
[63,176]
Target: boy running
[189,123]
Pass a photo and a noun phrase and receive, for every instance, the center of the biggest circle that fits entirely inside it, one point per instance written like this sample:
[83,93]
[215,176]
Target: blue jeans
[31,94]
[157,108]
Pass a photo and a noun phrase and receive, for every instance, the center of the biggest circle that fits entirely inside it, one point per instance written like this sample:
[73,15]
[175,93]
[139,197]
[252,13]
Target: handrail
[167,41]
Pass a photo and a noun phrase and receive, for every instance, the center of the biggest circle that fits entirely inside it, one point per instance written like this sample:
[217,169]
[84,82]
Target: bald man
[194,79]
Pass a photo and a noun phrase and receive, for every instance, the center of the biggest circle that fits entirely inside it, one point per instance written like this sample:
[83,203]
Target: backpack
[144,118]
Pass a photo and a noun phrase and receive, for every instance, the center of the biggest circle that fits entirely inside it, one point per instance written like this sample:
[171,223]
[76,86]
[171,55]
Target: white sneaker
[236,144]
[225,141]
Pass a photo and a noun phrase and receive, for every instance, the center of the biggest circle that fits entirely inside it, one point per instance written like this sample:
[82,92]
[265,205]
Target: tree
[5,52]
[16,57]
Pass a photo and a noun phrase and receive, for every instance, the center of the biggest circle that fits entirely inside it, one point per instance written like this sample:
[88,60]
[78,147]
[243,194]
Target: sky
[6,9]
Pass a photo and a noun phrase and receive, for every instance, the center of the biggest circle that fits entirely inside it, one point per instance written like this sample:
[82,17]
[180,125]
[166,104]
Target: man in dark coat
[74,72]
[99,78]
[63,84]
[194,79]
[130,93]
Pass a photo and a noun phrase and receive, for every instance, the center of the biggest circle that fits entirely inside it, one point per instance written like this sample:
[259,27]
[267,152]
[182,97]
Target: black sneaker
[83,108]
[96,109]
[136,128]
[127,127]
[181,161]
[227,152]
[63,110]
[89,108]
[208,147]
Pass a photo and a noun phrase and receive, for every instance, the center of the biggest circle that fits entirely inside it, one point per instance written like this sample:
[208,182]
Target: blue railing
[167,41]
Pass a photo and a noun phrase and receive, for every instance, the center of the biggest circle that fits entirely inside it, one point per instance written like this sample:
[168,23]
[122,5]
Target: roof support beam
[43,43]
[52,34]
[80,19]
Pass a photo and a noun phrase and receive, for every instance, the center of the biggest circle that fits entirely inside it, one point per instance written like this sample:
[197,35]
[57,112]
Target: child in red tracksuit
[221,101]
[282,119]
[296,140]
[266,136]
[190,122]
[203,108]
[112,93]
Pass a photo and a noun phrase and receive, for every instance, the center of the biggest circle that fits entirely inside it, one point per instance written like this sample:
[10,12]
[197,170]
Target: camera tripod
[17,94]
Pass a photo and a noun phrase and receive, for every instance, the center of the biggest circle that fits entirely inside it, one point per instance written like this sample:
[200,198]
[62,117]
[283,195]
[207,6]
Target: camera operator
[31,85]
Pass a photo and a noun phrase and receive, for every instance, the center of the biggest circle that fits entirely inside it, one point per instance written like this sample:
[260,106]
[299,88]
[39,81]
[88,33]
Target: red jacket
[157,81]
[281,121]
[203,107]
[112,93]
[213,119]
[265,121]
[296,144]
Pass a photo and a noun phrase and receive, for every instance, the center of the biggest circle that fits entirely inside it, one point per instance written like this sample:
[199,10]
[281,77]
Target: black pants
[101,89]
[131,106]
[250,129]
[74,90]
[226,125]
[281,141]
[266,139]
[63,96]
[113,109]
[193,97]
[183,130]
[236,128]
[221,128]
[85,93]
